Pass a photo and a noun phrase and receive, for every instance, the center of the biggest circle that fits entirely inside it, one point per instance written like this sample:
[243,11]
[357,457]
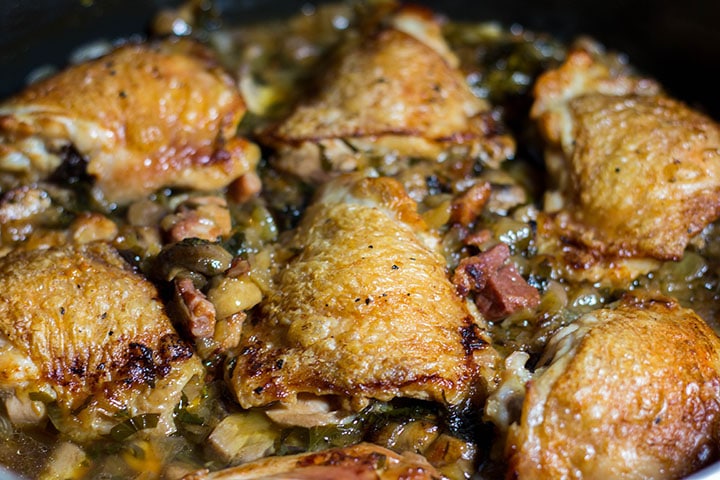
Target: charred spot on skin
[255,365]
[139,367]
[172,349]
[78,368]
[471,339]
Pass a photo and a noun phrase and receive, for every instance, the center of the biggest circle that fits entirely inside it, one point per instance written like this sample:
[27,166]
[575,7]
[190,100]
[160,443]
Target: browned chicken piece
[631,392]
[143,117]
[83,336]
[398,92]
[364,310]
[638,172]
[358,462]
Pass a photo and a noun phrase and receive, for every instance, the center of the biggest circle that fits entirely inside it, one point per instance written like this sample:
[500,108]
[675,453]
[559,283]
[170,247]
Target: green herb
[133,425]
[41,397]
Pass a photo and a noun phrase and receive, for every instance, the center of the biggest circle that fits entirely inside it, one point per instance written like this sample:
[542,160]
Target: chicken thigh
[398,92]
[632,392]
[364,309]
[143,117]
[638,173]
[83,336]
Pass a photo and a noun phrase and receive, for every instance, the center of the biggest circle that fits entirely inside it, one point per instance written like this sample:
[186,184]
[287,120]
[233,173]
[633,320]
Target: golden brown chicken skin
[397,92]
[358,462]
[145,116]
[83,335]
[364,310]
[638,172]
[631,392]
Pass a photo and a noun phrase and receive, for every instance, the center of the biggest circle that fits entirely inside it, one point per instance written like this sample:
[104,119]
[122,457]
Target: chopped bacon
[245,188]
[477,239]
[238,268]
[499,289]
[200,312]
[207,218]
[467,207]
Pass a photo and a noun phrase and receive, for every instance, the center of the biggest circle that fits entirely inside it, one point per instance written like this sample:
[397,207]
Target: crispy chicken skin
[145,116]
[631,392]
[80,328]
[638,172]
[363,310]
[398,91]
[358,462]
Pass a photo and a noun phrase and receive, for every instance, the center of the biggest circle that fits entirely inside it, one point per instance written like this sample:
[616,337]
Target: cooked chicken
[632,392]
[398,92]
[363,310]
[358,462]
[143,117]
[85,337]
[638,172]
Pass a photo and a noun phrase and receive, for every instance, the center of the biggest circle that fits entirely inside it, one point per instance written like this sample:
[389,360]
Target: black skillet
[677,41]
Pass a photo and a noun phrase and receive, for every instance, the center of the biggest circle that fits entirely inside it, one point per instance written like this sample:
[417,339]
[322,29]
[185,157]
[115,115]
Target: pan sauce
[480,199]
